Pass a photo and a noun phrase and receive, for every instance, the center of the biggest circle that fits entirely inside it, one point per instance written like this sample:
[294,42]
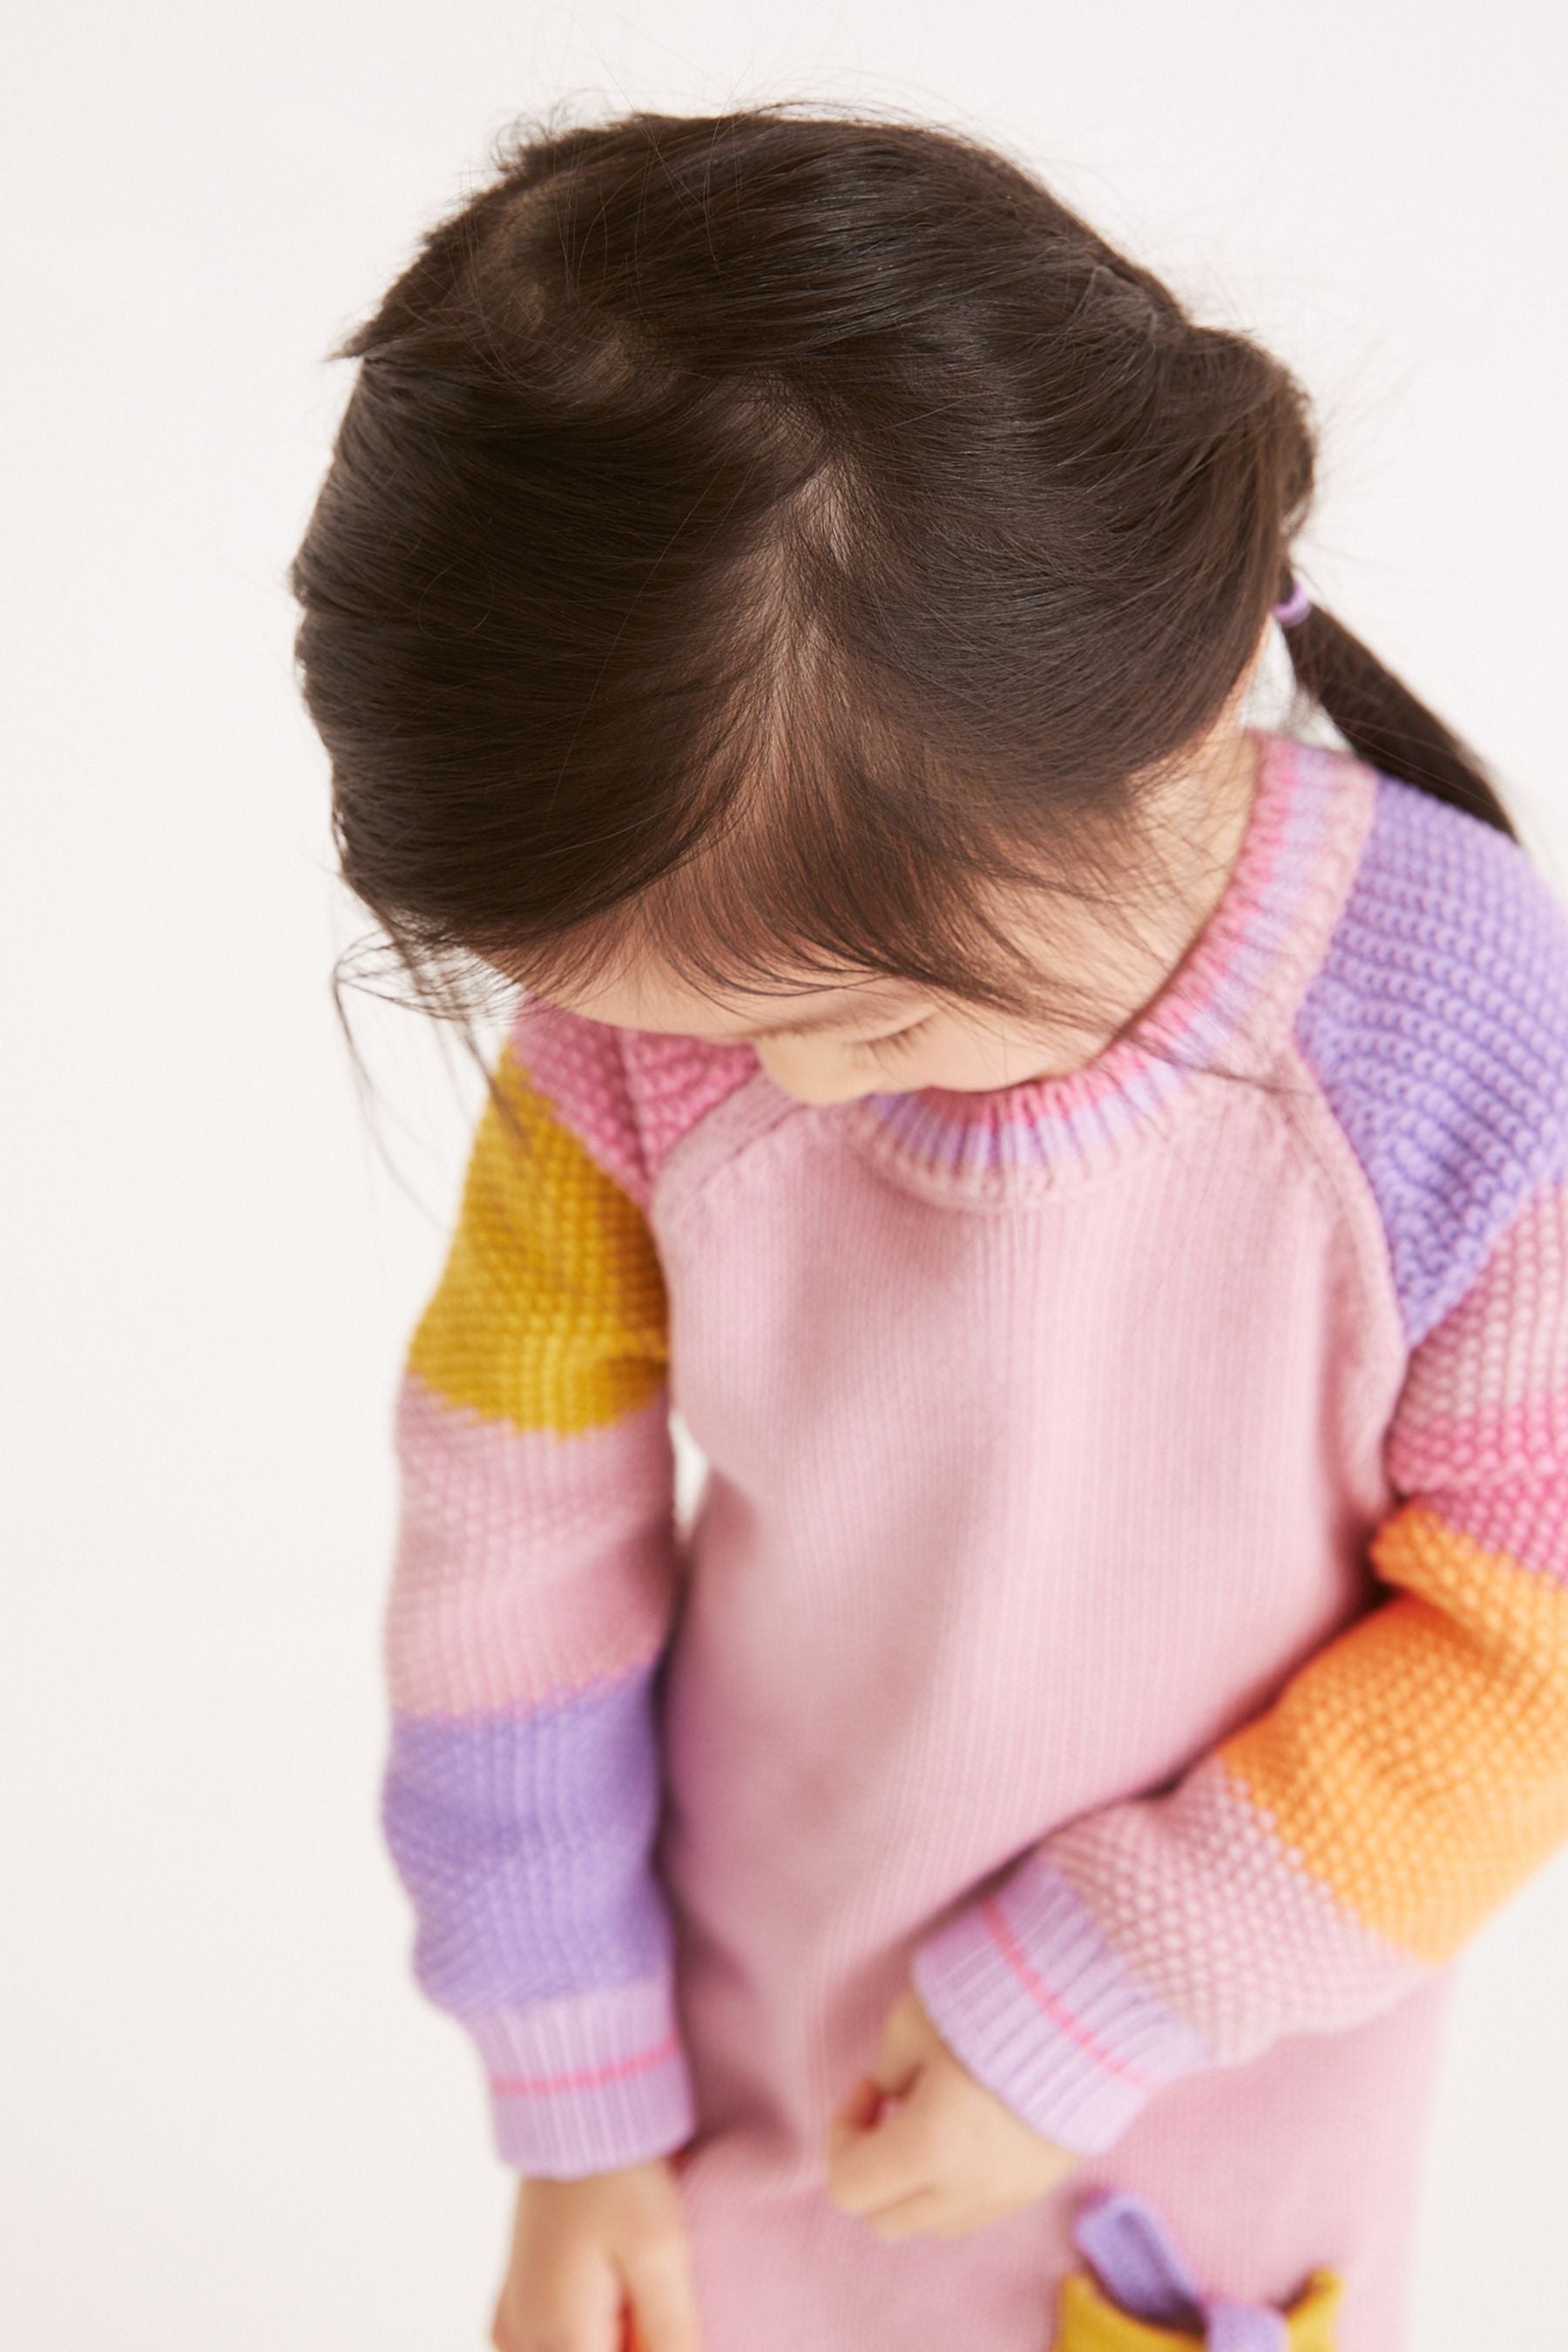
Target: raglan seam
[1377,1284]
[633,1121]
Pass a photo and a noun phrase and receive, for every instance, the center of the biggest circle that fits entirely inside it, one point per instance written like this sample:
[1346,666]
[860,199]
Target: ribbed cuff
[587,2082]
[1025,1990]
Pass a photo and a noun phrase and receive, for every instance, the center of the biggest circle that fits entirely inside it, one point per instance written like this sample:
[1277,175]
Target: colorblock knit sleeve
[1330,1854]
[530,1604]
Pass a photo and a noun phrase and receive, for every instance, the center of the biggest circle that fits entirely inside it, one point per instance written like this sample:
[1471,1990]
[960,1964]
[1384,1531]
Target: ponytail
[1382,720]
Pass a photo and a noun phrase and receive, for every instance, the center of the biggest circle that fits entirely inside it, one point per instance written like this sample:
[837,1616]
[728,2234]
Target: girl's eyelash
[896,1043]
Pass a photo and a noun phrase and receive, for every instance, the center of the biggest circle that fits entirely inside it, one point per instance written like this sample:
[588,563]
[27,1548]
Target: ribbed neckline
[1227,1005]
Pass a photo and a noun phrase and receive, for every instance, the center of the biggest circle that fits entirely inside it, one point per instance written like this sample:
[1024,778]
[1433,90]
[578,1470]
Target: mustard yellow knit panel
[1087,2322]
[551,1310]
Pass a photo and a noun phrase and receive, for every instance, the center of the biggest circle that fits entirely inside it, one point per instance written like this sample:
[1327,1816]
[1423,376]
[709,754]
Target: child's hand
[599,2265]
[946,2155]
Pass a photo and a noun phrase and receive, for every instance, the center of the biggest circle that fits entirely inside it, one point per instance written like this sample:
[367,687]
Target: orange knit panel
[1419,1764]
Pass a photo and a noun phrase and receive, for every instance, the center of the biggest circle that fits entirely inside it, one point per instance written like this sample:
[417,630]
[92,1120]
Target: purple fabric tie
[1144,2272]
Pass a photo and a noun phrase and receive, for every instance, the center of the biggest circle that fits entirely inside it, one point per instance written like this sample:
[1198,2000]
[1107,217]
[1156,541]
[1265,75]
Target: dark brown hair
[758,537]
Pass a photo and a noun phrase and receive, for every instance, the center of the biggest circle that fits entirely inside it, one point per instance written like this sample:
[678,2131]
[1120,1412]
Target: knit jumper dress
[1128,1598]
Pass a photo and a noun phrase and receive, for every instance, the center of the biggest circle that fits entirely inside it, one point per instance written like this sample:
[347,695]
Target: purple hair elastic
[1296,607]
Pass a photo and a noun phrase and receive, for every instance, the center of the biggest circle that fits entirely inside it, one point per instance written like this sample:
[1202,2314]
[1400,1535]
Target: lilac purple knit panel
[522,1839]
[1437,1026]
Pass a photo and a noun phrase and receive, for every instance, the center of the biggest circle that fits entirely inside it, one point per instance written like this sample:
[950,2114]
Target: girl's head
[767,554]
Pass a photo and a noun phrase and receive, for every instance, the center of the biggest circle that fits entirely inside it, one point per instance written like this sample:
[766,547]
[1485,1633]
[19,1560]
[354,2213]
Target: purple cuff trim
[1025,1990]
[587,2083]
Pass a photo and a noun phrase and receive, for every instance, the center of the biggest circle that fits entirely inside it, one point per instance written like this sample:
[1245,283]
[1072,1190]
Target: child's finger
[870,2168]
[859,2112]
[663,2314]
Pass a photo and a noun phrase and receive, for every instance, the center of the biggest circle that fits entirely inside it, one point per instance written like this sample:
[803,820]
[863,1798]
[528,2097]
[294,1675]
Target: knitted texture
[1129,1595]
[1415,1772]
[522,1789]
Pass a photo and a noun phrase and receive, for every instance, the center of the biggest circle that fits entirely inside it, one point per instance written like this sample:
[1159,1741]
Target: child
[1089,1173]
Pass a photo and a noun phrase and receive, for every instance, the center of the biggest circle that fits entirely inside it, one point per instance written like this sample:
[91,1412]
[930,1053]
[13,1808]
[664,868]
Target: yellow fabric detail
[551,1310]
[1087,2322]
[1419,1763]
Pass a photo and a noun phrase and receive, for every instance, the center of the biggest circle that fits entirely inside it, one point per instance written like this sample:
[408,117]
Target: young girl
[1089,1170]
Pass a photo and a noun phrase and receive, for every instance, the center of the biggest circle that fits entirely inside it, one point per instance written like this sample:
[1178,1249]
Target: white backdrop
[229,2118]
